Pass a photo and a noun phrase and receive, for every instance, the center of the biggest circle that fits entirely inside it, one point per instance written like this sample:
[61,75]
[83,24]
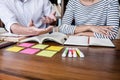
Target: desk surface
[100,63]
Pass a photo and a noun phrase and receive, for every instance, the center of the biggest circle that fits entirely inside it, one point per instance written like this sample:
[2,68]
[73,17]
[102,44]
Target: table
[100,63]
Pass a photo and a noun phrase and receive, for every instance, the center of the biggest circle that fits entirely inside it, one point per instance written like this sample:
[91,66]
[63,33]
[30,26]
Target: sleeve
[67,19]
[111,20]
[6,16]
[47,7]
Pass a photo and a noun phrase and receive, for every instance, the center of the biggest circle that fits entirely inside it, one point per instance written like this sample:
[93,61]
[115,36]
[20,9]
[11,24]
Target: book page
[56,36]
[77,40]
[101,42]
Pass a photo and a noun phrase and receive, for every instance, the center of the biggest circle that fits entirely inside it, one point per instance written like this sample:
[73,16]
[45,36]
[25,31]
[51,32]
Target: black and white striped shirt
[102,13]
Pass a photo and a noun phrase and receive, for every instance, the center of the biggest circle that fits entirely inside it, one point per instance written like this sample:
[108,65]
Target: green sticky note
[40,46]
[46,53]
[55,48]
[14,49]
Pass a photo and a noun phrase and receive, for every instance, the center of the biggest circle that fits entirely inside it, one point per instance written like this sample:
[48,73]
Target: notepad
[15,49]
[29,51]
[40,46]
[54,48]
[46,53]
[88,41]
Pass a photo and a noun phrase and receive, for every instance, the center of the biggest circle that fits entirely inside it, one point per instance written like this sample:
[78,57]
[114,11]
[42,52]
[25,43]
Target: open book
[88,41]
[55,36]
[10,37]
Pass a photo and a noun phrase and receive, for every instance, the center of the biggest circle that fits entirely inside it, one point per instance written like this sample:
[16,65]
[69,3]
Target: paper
[46,53]
[29,51]
[77,40]
[40,46]
[26,44]
[54,48]
[15,49]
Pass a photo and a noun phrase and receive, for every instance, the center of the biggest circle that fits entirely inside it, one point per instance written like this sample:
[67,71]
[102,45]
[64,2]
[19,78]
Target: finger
[31,23]
[48,20]
[52,15]
[43,19]
[50,28]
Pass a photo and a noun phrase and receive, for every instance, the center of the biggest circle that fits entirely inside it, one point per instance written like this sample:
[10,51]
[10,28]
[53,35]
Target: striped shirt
[102,13]
[22,11]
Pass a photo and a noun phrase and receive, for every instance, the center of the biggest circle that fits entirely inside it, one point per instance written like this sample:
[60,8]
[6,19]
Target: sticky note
[46,53]
[54,48]
[40,46]
[26,44]
[29,51]
[15,49]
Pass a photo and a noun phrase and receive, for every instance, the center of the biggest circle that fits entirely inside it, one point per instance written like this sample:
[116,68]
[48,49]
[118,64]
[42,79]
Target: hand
[49,19]
[36,31]
[90,34]
[105,30]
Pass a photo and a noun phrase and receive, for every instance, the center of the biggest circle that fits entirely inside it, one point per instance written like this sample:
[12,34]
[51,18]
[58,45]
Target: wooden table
[100,63]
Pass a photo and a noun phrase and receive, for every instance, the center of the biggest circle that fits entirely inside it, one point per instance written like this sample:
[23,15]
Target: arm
[49,14]
[112,20]
[67,19]
[30,30]
[7,17]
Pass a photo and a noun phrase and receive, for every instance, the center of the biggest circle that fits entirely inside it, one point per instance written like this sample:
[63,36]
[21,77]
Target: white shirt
[22,11]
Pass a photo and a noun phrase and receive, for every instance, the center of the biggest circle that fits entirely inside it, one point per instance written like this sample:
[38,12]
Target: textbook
[55,36]
[88,41]
[10,37]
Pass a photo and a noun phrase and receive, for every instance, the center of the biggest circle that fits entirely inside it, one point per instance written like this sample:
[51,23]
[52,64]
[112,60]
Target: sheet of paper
[55,48]
[77,40]
[26,44]
[101,42]
[14,49]
[40,46]
[46,53]
[29,51]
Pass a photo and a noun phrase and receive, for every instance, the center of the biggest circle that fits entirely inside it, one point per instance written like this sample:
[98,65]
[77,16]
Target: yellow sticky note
[15,49]
[55,48]
[40,46]
[46,53]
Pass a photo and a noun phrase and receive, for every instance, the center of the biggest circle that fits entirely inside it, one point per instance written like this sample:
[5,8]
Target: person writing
[98,18]
[29,17]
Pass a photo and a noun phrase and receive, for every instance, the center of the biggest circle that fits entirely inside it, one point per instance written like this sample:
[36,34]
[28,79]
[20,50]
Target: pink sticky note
[26,44]
[29,51]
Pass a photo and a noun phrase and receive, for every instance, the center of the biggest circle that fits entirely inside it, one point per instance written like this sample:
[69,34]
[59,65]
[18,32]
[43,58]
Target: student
[98,18]
[30,17]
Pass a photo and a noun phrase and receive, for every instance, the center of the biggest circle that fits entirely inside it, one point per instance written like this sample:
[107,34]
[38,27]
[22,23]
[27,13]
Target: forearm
[30,30]
[19,29]
[82,28]
[89,34]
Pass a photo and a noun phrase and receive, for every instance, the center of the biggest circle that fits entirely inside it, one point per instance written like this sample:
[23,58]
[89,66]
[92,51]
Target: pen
[65,52]
[80,53]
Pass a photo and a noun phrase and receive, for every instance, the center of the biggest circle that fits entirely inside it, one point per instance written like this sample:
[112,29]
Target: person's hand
[105,30]
[36,31]
[90,34]
[49,19]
